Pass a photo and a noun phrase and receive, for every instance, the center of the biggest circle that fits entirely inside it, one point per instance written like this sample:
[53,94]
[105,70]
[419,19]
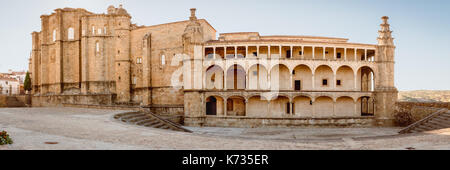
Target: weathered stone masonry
[238,79]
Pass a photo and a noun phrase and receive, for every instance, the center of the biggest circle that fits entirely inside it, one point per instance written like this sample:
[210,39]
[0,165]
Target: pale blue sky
[421,27]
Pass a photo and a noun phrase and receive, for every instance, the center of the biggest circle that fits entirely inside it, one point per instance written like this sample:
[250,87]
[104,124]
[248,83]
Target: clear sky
[421,27]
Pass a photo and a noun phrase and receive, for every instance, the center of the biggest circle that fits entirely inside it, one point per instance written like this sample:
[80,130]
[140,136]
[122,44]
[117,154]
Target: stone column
[280,50]
[313,53]
[246,107]
[268,52]
[257,51]
[355,80]
[246,51]
[356,52]
[324,49]
[335,53]
[303,52]
[235,51]
[365,54]
[292,56]
[214,52]
[345,54]
[225,109]
[225,74]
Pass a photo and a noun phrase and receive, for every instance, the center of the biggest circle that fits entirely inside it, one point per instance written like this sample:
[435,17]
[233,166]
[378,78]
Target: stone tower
[192,66]
[385,92]
[122,53]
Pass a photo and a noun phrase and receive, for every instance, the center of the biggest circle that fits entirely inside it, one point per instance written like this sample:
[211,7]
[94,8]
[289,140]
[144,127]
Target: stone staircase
[435,121]
[149,120]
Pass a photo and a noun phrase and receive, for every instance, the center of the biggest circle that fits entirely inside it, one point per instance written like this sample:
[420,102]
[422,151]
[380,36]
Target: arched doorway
[211,106]
[367,79]
[367,106]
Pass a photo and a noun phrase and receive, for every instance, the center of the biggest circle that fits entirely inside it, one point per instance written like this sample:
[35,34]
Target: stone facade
[84,58]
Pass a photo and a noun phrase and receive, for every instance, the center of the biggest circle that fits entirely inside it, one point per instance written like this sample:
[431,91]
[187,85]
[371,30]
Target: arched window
[54,35]
[163,60]
[71,34]
[97,47]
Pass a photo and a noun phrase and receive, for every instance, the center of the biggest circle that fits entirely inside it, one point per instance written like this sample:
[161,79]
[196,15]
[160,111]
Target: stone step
[159,125]
[443,116]
[151,124]
[139,118]
[426,127]
[441,121]
[130,115]
[146,120]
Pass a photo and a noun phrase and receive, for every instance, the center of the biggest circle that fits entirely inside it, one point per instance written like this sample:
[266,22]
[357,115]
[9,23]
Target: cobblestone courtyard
[77,128]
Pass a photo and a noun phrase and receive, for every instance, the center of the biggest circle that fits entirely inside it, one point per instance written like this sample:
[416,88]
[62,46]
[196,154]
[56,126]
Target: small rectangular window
[255,54]
[326,52]
[339,55]
[338,82]
[300,53]
[325,82]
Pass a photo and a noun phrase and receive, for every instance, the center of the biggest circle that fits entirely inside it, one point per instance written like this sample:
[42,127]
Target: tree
[27,82]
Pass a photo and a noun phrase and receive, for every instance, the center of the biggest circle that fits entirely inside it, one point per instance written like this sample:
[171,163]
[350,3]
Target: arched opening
[345,106]
[214,105]
[366,77]
[236,106]
[257,107]
[280,78]
[236,77]
[214,77]
[303,106]
[209,53]
[323,107]
[302,78]
[279,106]
[345,79]
[367,106]
[323,78]
[257,75]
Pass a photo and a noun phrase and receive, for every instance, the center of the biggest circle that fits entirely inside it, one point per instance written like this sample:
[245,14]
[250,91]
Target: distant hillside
[425,96]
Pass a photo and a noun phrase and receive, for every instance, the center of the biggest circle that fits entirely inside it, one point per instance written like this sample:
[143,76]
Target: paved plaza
[93,129]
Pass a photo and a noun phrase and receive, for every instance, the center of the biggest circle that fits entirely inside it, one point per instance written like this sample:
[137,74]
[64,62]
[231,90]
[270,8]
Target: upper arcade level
[253,46]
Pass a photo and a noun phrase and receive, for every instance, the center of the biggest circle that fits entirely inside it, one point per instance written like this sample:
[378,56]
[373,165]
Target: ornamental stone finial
[193,17]
[385,19]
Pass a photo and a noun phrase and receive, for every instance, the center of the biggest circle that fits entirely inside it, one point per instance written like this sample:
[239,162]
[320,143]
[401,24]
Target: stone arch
[345,78]
[366,78]
[258,77]
[214,105]
[323,73]
[323,106]
[302,106]
[345,106]
[236,77]
[214,77]
[365,106]
[280,77]
[302,77]
[236,106]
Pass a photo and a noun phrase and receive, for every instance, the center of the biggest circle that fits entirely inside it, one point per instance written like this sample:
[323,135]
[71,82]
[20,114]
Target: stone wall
[420,110]
[60,100]
[253,122]
[15,101]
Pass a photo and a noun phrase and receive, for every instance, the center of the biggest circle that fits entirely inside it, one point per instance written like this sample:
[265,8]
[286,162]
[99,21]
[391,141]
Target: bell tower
[193,40]
[385,91]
